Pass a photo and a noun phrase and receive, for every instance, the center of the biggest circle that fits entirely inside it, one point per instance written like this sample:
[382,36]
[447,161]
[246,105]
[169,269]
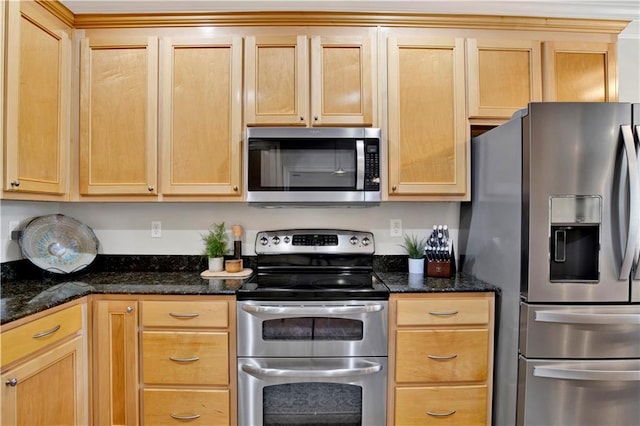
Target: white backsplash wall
[125,228]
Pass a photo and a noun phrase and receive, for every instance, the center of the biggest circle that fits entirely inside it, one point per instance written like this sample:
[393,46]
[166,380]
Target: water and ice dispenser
[574,241]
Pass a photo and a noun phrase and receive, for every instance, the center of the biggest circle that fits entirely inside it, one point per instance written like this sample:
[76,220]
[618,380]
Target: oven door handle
[313,373]
[312,309]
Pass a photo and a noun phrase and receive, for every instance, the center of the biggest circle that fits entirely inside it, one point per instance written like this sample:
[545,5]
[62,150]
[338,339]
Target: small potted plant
[216,246]
[415,250]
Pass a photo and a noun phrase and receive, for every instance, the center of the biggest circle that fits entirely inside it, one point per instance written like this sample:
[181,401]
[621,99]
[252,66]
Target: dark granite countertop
[403,282]
[26,297]
[25,290]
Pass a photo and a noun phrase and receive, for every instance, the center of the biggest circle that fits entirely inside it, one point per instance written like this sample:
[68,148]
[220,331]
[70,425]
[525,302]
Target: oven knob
[275,240]
[286,240]
[366,241]
[264,241]
[353,240]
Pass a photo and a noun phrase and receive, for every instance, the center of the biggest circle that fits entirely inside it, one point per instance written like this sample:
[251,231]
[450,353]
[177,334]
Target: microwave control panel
[371,166]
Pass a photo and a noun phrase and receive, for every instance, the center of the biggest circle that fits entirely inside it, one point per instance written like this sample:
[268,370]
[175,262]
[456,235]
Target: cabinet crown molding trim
[58,10]
[95,21]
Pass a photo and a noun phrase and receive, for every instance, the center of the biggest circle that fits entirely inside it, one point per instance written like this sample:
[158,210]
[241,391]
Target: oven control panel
[331,241]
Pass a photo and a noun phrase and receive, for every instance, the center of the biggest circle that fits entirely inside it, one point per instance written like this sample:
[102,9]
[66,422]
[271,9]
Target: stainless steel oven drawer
[312,328]
[578,393]
[562,331]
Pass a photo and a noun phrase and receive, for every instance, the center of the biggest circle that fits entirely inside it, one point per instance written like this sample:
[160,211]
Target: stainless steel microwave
[302,166]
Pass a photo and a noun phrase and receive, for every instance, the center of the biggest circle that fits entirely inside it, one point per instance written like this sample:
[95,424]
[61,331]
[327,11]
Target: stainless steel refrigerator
[554,222]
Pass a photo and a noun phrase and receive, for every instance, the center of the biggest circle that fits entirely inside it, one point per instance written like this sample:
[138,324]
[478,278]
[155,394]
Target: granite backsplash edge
[23,269]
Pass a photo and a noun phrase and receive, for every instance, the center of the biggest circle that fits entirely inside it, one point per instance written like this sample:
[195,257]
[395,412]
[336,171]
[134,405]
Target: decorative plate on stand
[58,243]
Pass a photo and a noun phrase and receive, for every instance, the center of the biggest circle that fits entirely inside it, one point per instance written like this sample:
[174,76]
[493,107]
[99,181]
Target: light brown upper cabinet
[201,116]
[580,72]
[428,152]
[36,157]
[118,115]
[503,76]
[317,80]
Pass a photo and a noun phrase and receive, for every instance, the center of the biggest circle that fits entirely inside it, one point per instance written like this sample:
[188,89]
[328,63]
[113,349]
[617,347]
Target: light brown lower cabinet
[163,360]
[440,359]
[44,369]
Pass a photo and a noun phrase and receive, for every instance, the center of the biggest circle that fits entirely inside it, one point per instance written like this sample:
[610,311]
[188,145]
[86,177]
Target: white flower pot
[416,266]
[216,264]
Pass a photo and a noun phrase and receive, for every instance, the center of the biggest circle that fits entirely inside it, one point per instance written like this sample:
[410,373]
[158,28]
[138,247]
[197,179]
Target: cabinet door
[37,101]
[115,363]
[503,76]
[277,85]
[118,116]
[201,110]
[428,152]
[341,82]
[47,390]
[580,72]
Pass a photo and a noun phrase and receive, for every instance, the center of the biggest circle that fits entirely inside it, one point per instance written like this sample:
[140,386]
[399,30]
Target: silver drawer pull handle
[441,313]
[183,315]
[46,333]
[448,413]
[12,382]
[312,310]
[191,417]
[192,359]
[442,356]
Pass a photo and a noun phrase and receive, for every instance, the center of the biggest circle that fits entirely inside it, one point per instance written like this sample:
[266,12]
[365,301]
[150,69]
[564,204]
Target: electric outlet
[156,229]
[395,228]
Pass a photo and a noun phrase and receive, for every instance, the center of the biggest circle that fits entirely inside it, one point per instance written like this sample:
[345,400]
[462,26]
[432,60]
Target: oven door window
[312,328]
[312,404]
[302,165]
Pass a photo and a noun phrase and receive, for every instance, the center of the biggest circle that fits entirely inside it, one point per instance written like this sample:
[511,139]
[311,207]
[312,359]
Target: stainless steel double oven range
[312,331]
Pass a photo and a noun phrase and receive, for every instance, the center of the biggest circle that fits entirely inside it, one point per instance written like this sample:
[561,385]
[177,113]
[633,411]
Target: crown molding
[311,18]
[59,10]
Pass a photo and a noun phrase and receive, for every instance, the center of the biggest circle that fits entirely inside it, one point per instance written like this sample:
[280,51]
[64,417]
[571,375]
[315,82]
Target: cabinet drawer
[192,358]
[441,355]
[450,405]
[442,312]
[211,313]
[42,332]
[195,407]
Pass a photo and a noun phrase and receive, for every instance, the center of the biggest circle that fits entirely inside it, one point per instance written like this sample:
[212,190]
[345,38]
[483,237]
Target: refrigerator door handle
[636,258]
[634,200]
[564,317]
[564,373]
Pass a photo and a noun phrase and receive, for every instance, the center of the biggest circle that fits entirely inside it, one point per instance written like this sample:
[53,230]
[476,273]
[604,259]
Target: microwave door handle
[359,165]
[636,258]
[634,201]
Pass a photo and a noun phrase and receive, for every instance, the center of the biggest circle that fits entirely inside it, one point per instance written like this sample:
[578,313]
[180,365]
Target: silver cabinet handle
[562,373]
[235,188]
[442,356]
[443,313]
[315,117]
[192,359]
[46,333]
[634,201]
[15,183]
[312,309]
[129,309]
[329,373]
[191,417]
[301,118]
[564,317]
[150,188]
[12,382]
[393,188]
[434,414]
[173,314]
